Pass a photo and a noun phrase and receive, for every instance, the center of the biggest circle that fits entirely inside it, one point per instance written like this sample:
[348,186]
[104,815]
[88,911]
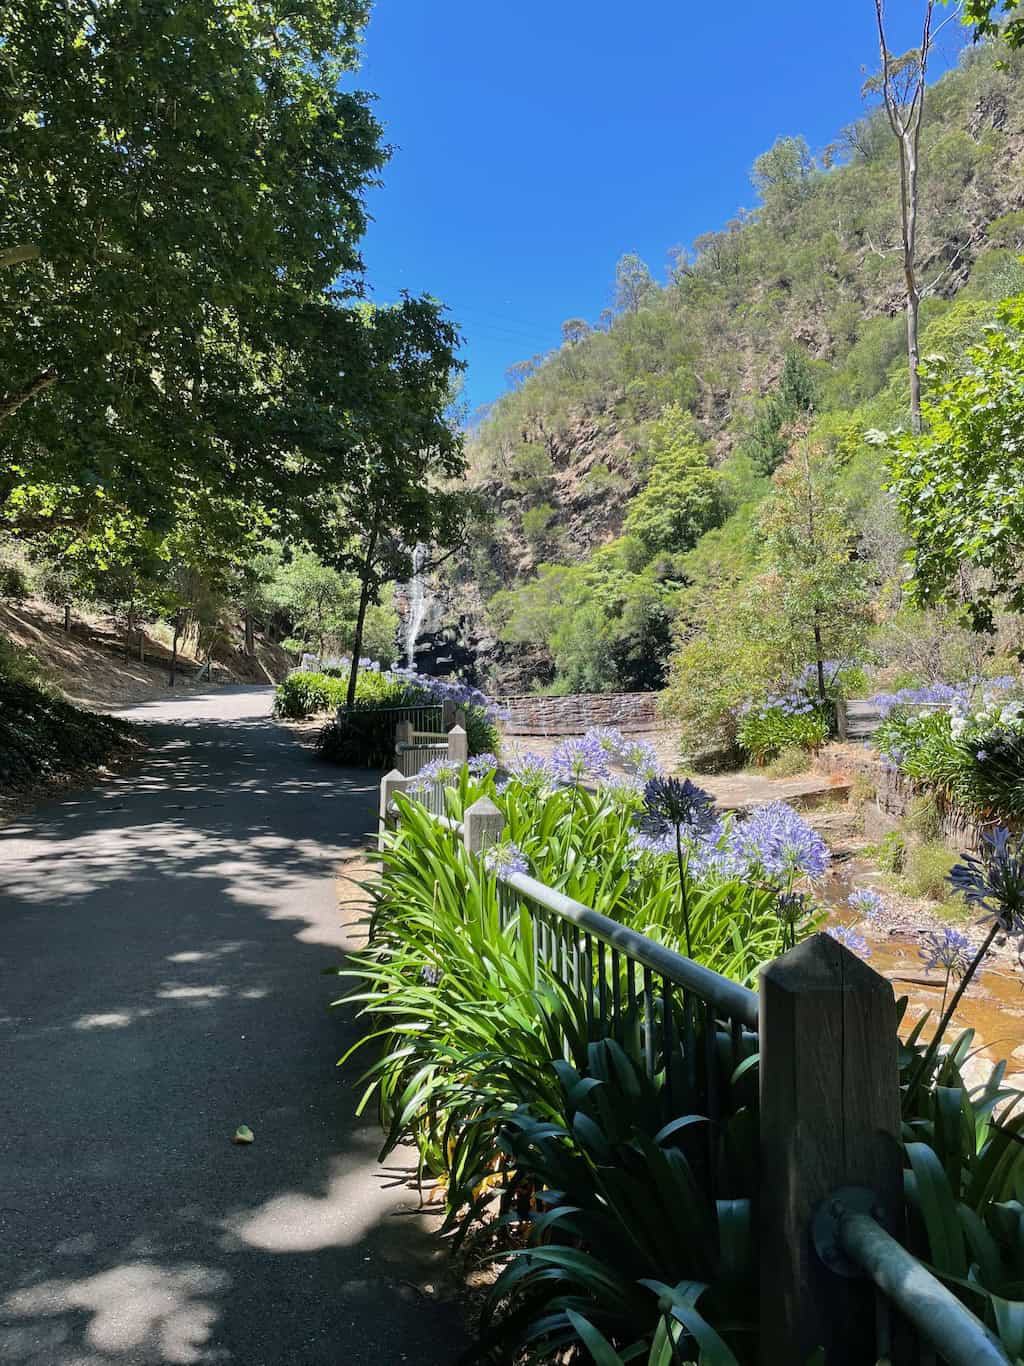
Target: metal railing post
[830,1118]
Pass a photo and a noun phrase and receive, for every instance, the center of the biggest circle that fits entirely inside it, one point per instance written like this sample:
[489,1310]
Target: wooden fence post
[460,717]
[830,1117]
[390,784]
[448,717]
[482,825]
[458,745]
[403,733]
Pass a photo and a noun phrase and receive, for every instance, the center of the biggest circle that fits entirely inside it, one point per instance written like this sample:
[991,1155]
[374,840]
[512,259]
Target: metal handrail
[727,997]
[957,1335]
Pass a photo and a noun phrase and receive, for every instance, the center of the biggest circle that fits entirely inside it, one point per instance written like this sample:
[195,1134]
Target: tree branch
[11,402]
[14,256]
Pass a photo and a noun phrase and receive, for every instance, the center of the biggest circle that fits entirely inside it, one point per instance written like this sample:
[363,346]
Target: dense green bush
[14,586]
[765,731]
[41,735]
[973,760]
[305,694]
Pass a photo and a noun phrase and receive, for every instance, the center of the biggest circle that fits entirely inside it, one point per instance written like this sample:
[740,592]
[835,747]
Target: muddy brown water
[993,1005]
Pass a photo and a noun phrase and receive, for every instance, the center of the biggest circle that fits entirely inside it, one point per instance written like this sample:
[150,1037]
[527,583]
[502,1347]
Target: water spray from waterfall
[417,604]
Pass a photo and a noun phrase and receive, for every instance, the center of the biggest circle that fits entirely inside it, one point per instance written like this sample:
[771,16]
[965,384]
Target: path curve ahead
[162,940]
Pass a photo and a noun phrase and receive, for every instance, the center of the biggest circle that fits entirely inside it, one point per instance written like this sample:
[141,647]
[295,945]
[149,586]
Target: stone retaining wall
[894,794]
[532,715]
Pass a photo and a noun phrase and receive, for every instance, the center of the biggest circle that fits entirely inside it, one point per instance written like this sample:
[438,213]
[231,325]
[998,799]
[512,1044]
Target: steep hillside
[811,275]
[91,667]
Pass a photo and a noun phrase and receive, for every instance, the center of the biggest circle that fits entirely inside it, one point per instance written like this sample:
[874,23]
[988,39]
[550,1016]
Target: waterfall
[417,604]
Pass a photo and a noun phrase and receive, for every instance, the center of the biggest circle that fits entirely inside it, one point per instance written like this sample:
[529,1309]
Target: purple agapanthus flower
[639,757]
[482,763]
[531,770]
[611,740]
[676,803]
[448,689]
[580,758]
[866,902]
[778,841]
[438,773]
[505,859]
[855,942]
[625,784]
[941,693]
[948,949]
[430,974]
[994,881]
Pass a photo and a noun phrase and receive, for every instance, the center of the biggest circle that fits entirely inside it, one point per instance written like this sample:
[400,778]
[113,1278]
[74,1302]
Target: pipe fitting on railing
[850,1240]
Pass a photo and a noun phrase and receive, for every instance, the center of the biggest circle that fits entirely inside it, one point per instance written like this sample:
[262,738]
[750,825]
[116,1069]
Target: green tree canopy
[958,485]
[633,282]
[178,179]
[1004,18]
[683,497]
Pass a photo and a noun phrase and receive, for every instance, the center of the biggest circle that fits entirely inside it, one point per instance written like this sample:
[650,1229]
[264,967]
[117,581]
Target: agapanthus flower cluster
[773,842]
[948,949]
[450,690]
[855,942]
[865,902]
[798,697]
[610,738]
[778,841]
[579,758]
[505,859]
[992,715]
[640,758]
[431,975]
[994,880]
[675,803]
[530,769]
[438,773]
[789,704]
[482,763]
[932,694]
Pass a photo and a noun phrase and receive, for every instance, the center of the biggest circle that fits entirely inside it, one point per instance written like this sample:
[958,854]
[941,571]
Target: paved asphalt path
[162,940]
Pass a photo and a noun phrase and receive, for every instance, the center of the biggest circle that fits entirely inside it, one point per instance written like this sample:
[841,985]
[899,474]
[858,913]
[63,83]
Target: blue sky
[536,142]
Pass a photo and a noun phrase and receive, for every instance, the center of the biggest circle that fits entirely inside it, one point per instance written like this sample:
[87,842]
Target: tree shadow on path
[162,946]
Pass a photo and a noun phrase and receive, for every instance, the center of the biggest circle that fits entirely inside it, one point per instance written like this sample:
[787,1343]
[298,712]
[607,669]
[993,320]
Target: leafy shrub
[14,585]
[617,1156]
[927,870]
[891,853]
[768,729]
[364,736]
[305,694]
[42,736]
[971,760]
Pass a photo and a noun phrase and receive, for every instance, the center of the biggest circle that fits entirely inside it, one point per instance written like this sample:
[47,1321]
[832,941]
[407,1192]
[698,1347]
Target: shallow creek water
[993,1005]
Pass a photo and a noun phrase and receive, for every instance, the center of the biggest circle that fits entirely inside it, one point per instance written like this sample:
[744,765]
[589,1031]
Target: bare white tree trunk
[905,108]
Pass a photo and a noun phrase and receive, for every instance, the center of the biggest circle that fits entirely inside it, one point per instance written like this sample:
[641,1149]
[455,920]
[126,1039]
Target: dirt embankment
[91,665]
